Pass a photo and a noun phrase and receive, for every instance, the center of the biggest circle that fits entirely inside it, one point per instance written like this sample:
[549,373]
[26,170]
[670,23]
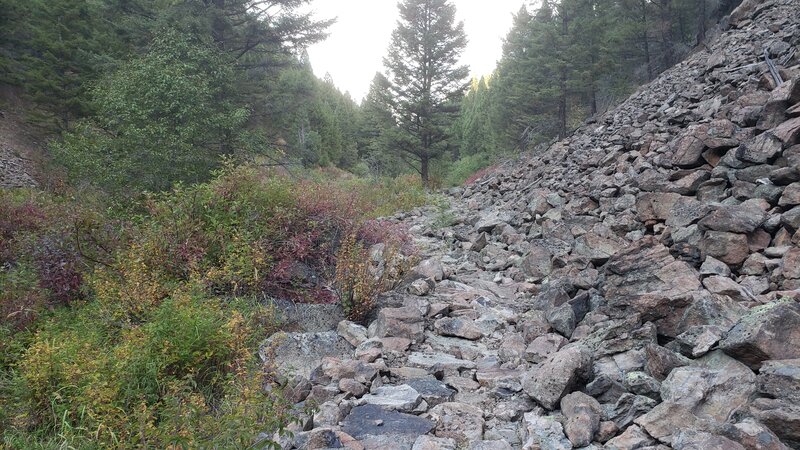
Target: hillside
[20,145]
[633,286]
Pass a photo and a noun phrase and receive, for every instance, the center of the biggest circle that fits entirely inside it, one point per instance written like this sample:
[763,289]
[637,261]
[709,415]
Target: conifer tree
[426,79]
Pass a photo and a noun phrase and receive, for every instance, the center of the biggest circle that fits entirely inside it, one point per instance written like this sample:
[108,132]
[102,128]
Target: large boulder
[558,375]
[300,353]
[583,418]
[734,219]
[770,331]
[646,279]
[368,421]
[405,322]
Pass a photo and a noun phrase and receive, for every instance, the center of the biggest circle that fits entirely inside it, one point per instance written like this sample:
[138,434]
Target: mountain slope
[632,286]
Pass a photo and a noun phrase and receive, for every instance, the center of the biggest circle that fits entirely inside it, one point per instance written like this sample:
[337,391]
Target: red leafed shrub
[377,231]
[16,220]
[59,269]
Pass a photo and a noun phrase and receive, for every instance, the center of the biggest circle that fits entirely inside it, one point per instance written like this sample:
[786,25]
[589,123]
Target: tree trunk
[646,41]
[701,25]
[424,170]
[562,101]
[667,40]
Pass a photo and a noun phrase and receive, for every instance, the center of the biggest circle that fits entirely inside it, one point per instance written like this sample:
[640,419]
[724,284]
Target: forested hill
[145,93]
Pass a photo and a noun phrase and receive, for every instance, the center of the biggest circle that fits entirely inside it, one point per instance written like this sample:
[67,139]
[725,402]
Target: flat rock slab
[301,353]
[372,420]
[432,390]
[399,398]
[438,361]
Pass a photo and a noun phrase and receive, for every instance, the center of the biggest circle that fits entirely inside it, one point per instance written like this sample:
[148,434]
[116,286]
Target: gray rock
[458,421]
[545,433]
[434,443]
[401,398]
[373,420]
[543,346]
[558,375]
[628,408]
[448,326]
[767,332]
[633,438]
[780,379]
[583,418]
[433,391]
[352,332]
[300,353]
[438,361]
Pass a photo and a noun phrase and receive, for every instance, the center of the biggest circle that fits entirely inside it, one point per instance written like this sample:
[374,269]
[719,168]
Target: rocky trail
[634,286]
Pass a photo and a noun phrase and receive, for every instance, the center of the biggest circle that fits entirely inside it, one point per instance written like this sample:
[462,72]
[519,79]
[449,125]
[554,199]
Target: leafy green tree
[163,118]
[426,80]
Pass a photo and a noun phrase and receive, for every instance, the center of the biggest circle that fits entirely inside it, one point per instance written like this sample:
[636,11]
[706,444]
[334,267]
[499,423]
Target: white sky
[358,41]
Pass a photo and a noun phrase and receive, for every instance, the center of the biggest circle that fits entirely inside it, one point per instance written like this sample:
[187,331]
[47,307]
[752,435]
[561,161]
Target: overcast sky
[358,41]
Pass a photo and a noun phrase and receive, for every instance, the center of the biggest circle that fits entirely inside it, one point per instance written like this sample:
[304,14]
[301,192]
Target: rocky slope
[21,145]
[634,286]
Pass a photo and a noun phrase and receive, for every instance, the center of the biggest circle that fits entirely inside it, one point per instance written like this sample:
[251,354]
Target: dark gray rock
[373,420]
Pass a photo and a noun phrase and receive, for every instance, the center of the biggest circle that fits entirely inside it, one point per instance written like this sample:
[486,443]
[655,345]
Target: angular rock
[405,322]
[448,326]
[438,361]
[543,346]
[372,420]
[537,265]
[300,353]
[558,375]
[760,150]
[401,398]
[458,421]
[433,391]
[734,219]
[544,433]
[770,331]
[583,418]
[780,379]
[730,248]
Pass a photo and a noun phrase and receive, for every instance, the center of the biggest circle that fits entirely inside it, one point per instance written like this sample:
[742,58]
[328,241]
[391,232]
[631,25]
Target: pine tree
[426,79]
[376,126]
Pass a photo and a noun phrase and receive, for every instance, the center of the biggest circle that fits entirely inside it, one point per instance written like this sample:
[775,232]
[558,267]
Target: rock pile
[634,286]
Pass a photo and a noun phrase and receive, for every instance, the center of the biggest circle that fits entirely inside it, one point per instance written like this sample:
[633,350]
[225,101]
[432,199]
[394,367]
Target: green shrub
[462,169]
